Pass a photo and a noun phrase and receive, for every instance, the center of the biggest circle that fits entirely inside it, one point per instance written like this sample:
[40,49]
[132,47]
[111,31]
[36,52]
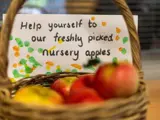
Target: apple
[63,85]
[116,80]
[83,82]
[82,91]
[38,95]
[84,95]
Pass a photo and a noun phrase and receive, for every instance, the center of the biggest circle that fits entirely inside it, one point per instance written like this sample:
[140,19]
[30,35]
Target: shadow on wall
[3,7]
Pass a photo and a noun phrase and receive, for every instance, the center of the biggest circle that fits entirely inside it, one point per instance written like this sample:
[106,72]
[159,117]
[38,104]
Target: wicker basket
[132,108]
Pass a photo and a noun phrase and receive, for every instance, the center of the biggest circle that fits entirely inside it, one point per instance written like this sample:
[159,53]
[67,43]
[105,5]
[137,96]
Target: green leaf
[40,50]
[28,69]
[26,43]
[125,40]
[19,42]
[58,70]
[74,70]
[11,37]
[124,51]
[30,50]
[17,74]
[48,73]
[23,61]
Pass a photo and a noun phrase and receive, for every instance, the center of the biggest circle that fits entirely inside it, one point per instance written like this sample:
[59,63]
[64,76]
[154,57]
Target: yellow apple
[38,95]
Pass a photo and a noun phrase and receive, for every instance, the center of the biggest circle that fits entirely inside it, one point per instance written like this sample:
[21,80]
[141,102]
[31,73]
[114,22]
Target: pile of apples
[109,81]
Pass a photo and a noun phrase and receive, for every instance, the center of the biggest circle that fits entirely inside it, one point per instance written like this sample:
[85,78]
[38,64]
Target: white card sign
[43,44]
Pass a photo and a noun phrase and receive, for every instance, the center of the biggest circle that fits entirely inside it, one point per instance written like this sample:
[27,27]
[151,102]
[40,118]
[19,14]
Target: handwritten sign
[43,44]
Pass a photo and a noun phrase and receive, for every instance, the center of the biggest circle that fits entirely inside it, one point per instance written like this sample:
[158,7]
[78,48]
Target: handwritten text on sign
[55,43]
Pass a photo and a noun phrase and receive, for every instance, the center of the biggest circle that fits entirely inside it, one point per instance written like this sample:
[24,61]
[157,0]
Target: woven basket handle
[9,20]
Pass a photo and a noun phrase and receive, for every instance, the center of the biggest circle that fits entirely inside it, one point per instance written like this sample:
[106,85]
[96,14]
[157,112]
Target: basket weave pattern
[132,108]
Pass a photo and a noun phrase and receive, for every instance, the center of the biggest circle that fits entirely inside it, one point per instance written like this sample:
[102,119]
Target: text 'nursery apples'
[38,95]
[116,80]
[63,85]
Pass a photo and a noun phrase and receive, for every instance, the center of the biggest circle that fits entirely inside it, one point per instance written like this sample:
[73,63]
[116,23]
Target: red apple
[83,82]
[82,91]
[63,85]
[120,80]
[83,95]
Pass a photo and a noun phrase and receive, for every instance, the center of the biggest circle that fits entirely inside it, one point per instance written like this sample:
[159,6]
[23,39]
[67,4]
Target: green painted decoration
[58,70]
[11,37]
[74,70]
[40,50]
[19,42]
[125,40]
[34,61]
[23,61]
[48,73]
[124,51]
[30,50]
[26,43]
[16,74]
[28,69]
